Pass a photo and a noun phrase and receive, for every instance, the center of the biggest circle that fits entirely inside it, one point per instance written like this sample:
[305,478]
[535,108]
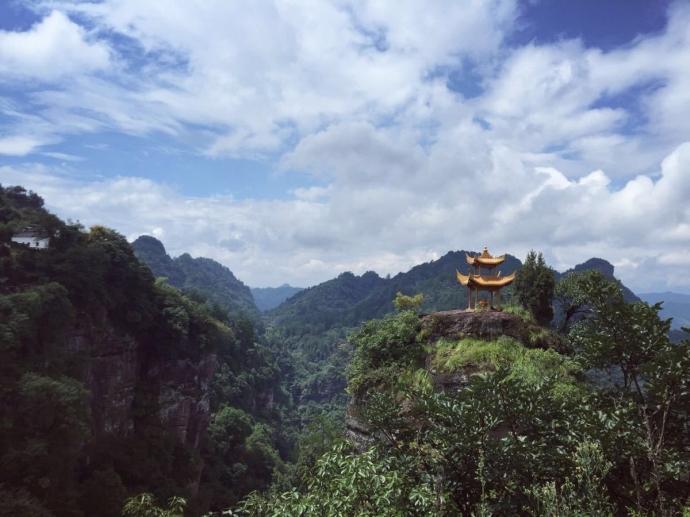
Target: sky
[293,140]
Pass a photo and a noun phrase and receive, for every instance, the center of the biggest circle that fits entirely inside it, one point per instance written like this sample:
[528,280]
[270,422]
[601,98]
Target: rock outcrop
[454,325]
[459,324]
[116,369]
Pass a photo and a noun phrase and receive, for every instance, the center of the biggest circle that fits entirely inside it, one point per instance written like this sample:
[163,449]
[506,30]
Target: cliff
[454,346]
[118,371]
[203,275]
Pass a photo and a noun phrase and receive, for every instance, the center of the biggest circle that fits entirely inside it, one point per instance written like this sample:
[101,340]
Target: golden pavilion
[475,281]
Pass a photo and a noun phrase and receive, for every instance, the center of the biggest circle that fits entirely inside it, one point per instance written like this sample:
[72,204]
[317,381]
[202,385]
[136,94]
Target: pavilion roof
[485,281]
[485,259]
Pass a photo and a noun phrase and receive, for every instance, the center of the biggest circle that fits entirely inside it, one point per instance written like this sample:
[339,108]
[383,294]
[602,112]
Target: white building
[32,238]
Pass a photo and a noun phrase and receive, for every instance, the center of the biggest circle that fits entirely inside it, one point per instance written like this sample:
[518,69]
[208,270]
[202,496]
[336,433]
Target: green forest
[141,385]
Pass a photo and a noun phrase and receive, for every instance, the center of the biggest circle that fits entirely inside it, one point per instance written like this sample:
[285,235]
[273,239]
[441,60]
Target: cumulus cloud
[53,48]
[640,226]
[562,147]
[17,145]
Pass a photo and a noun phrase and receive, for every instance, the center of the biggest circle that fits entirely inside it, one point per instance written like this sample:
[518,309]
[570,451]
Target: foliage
[200,277]
[520,311]
[526,432]
[387,343]
[652,391]
[403,302]
[529,365]
[572,294]
[534,287]
[86,308]
[346,483]
[144,505]
[581,496]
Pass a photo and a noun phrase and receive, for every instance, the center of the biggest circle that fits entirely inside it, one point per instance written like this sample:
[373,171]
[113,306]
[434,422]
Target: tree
[653,394]
[349,483]
[534,287]
[403,302]
[144,505]
[572,293]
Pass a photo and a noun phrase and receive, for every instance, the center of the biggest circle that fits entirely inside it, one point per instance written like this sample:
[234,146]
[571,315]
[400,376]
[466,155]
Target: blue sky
[292,140]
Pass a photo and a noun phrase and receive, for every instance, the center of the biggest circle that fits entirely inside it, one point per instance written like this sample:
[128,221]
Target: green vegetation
[503,352]
[100,362]
[534,431]
[519,311]
[201,278]
[534,286]
[348,483]
[94,352]
[310,330]
[383,349]
[402,302]
[144,505]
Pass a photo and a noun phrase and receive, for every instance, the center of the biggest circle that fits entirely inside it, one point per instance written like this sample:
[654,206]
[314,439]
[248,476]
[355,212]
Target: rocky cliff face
[117,369]
[454,325]
[212,279]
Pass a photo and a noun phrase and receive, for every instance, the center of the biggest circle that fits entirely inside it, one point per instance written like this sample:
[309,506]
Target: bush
[390,342]
[534,287]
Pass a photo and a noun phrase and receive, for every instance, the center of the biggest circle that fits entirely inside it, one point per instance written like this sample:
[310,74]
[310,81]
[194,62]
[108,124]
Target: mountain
[313,325]
[114,383]
[675,305]
[267,298]
[349,299]
[606,269]
[206,276]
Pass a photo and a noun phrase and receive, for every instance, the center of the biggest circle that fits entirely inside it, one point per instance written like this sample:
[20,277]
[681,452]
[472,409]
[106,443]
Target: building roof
[486,259]
[486,281]
[29,232]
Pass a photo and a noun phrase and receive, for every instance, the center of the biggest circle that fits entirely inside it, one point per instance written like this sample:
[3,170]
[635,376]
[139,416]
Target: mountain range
[203,275]
[346,300]
[675,305]
[267,298]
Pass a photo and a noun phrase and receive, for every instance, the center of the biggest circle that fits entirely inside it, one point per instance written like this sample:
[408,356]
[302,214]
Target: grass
[537,337]
[450,356]
[530,365]
[519,311]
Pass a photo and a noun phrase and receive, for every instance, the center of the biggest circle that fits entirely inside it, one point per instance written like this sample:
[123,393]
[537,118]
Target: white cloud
[357,94]
[393,226]
[53,48]
[18,145]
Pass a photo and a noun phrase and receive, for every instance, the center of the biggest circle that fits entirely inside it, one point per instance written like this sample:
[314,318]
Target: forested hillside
[267,298]
[487,413]
[203,276]
[114,383]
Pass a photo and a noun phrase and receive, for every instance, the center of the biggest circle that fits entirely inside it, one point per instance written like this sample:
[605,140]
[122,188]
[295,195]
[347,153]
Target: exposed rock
[356,431]
[459,324]
[183,398]
[110,372]
[113,370]
[455,325]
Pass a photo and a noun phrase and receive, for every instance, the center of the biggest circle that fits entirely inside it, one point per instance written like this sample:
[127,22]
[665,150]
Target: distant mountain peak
[595,264]
[205,275]
[149,242]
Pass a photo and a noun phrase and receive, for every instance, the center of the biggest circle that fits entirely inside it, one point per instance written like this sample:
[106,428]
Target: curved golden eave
[463,279]
[485,261]
[493,282]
